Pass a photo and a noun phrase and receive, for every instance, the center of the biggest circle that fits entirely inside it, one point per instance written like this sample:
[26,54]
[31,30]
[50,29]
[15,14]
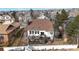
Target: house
[39,28]
[42,16]
[6,19]
[8,32]
[53,15]
[23,18]
[73,13]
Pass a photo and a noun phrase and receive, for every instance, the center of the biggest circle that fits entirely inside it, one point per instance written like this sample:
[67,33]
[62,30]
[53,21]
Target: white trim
[55,46]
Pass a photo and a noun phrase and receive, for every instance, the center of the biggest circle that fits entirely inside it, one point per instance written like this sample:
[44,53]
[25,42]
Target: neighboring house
[40,28]
[73,13]
[8,32]
[42,16]
[53,15]
[23,18]
[6,19]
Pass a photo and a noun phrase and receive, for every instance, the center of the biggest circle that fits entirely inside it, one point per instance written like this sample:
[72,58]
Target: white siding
[48,34]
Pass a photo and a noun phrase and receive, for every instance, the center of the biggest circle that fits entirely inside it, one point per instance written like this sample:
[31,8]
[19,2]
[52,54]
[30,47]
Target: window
[1,38]
[30,32]
[36,32]
[42,33]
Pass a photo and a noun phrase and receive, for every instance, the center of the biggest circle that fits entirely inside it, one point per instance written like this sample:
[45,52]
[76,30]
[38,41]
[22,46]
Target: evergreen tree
[14,15]
[64,15]
[60,21]
[73,27]
[61,17]
[72,30]
[31,13]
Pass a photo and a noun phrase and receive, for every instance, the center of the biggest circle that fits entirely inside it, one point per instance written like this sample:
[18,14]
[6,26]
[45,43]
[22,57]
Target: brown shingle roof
[41,25]
[4,28]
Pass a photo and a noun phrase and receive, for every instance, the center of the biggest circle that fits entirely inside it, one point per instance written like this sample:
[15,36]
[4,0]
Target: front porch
[48,41]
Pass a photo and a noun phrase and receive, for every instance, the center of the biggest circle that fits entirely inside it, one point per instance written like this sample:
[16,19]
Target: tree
[31,13]
[72,28]
[58,19]
[46,14]
[14,15]
[64,15]
[61,19]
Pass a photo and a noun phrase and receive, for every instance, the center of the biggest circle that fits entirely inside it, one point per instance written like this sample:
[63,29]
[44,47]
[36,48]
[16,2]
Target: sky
[19,9]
